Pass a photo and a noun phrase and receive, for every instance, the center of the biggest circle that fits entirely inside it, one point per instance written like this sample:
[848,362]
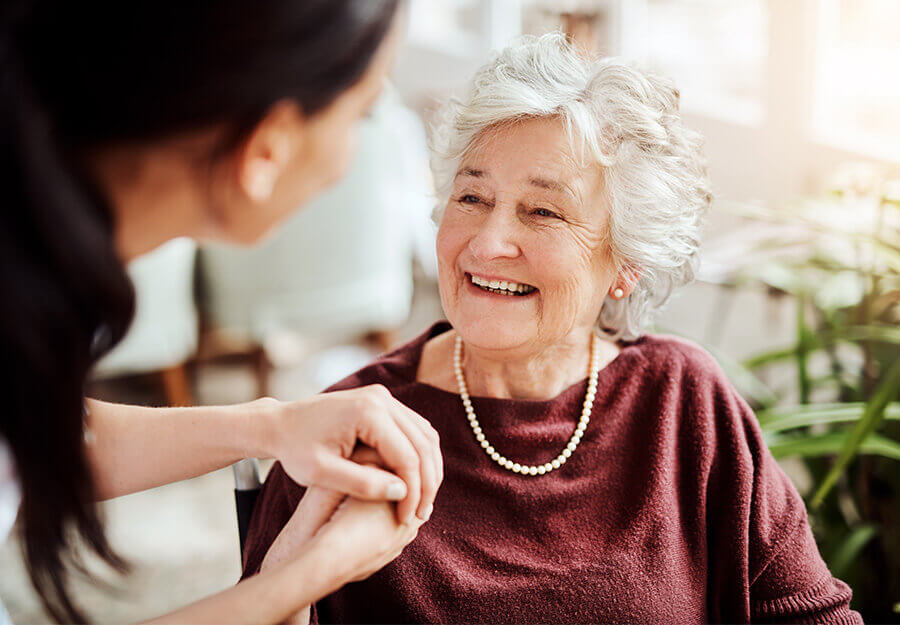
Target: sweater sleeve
[789,580]
[796,586]
[763,562]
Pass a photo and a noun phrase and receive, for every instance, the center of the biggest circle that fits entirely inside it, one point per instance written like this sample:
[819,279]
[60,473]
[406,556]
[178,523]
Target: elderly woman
[593,472]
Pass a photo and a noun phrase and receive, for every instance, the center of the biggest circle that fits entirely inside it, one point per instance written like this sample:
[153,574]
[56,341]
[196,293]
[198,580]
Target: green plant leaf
[830,443]
[880,333]
[850,548]
[778,275]
[770,357]
[804,343]
[883,334]
[873,414]
[790,417]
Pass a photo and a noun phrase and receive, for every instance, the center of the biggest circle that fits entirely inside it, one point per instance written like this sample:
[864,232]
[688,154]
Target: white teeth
[503,286]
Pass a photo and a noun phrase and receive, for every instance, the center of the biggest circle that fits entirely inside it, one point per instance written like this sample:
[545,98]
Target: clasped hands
[357,451]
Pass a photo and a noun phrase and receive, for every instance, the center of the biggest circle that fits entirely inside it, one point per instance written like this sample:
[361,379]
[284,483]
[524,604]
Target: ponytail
[65,299]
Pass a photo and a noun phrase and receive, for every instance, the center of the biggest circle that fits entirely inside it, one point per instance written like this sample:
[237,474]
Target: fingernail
[427,513]
[396,491]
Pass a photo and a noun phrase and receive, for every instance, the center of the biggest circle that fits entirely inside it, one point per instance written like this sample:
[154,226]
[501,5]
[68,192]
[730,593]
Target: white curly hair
[625,120]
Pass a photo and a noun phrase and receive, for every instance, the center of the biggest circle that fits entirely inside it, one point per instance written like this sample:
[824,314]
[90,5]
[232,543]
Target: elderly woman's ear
[625,283]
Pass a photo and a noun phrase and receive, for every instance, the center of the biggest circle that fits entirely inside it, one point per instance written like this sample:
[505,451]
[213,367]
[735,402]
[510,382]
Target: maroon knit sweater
[671,510]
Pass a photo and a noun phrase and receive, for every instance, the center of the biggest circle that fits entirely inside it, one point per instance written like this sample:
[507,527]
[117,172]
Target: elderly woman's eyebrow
[537,181]
[551,185]
[470,172]
[544,183]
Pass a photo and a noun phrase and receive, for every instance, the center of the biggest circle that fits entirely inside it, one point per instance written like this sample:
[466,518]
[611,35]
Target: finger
[381,432]
[359,480]
[433,447]
[435,441]
[363,454]
[427,443]
[427,466]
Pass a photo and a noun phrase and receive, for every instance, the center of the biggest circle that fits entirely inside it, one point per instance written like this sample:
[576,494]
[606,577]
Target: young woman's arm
[329,541]
[270,597]
[133,448]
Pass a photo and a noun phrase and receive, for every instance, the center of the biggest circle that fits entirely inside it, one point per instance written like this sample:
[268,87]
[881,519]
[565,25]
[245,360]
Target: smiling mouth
[502,287]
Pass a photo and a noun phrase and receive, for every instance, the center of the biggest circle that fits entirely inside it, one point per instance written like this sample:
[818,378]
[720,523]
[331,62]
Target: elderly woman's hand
[359,537]
[314,438]
[364,536]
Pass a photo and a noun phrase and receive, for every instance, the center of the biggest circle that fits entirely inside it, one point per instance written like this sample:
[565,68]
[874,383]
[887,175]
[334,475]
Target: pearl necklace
[515,467]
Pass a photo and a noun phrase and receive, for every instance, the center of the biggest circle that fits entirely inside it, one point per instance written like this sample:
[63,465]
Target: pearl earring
[618,293]
[261,188]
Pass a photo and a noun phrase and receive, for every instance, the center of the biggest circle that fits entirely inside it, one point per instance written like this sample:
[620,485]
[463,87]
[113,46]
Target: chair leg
[177,386]
[262,368]
[383,340]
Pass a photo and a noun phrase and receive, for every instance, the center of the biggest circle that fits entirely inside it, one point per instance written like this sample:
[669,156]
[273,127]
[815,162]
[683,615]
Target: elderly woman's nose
[495,238]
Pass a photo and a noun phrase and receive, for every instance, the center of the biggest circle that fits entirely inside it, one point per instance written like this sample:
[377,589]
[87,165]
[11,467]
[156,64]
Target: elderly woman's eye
[469,199]
[544,212]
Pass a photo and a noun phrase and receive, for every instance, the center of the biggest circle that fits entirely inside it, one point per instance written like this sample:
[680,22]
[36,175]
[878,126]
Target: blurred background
[798,295]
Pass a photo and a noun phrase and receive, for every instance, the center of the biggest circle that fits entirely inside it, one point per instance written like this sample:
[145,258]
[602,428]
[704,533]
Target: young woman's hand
[315,437]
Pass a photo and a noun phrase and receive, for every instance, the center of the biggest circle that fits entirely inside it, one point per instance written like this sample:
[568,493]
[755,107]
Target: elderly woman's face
[521,248]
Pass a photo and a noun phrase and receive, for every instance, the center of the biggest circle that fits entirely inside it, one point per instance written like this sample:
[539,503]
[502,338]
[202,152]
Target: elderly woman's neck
[526,374]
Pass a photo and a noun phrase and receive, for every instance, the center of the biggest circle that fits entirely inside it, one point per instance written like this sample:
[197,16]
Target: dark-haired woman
[124,125]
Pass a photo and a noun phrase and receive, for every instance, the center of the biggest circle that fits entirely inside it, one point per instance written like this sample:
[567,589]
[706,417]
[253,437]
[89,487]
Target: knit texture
[671,510]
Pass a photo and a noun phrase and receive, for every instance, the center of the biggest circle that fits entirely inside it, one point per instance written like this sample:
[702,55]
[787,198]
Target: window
[714,51]
[444,24]
[464,27]
[857,79]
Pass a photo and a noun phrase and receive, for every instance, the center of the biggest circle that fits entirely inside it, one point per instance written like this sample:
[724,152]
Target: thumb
[361,481]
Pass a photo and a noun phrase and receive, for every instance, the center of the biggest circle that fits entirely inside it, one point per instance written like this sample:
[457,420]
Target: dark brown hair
[77,75]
